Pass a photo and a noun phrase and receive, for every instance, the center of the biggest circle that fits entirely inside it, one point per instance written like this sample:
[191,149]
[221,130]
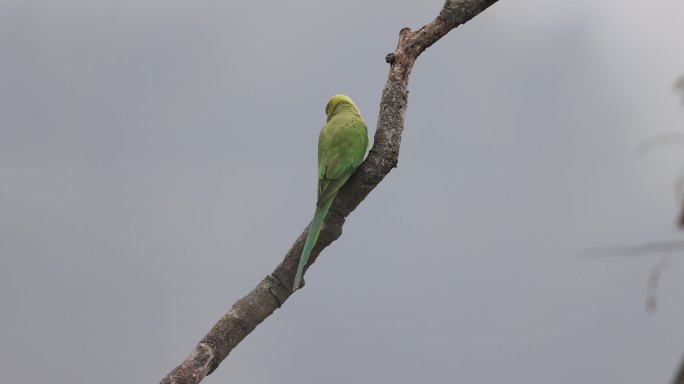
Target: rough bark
[275,288]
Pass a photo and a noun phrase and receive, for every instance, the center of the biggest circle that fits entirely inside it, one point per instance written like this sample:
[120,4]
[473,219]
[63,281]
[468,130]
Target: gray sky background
[157,159]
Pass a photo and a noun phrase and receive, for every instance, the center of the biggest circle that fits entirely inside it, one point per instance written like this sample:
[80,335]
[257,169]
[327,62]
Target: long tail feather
[311,237]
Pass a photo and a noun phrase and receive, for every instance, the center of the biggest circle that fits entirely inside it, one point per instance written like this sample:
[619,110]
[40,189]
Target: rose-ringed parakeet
[342,146]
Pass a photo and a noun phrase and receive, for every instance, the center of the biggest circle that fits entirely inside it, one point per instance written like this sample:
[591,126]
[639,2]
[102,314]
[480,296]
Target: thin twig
[660,140]
[654,283]
[645,249]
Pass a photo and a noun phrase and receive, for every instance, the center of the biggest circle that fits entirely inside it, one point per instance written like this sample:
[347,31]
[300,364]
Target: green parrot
[342,146]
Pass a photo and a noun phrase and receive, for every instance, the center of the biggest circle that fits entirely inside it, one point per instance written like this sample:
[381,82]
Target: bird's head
[338,102]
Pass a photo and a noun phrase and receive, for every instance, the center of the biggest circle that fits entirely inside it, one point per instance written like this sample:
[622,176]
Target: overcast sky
[158,158]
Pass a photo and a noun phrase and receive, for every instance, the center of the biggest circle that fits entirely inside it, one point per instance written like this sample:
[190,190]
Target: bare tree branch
[644,249]
[679,86]
[665,248]
[660,140]
[679,379]
[654,283]
[275,288]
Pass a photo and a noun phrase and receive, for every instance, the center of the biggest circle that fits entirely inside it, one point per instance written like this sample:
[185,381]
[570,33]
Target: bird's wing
[341,150]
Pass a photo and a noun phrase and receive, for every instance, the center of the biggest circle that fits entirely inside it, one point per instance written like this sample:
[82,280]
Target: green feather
[311,237]
[342,146]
